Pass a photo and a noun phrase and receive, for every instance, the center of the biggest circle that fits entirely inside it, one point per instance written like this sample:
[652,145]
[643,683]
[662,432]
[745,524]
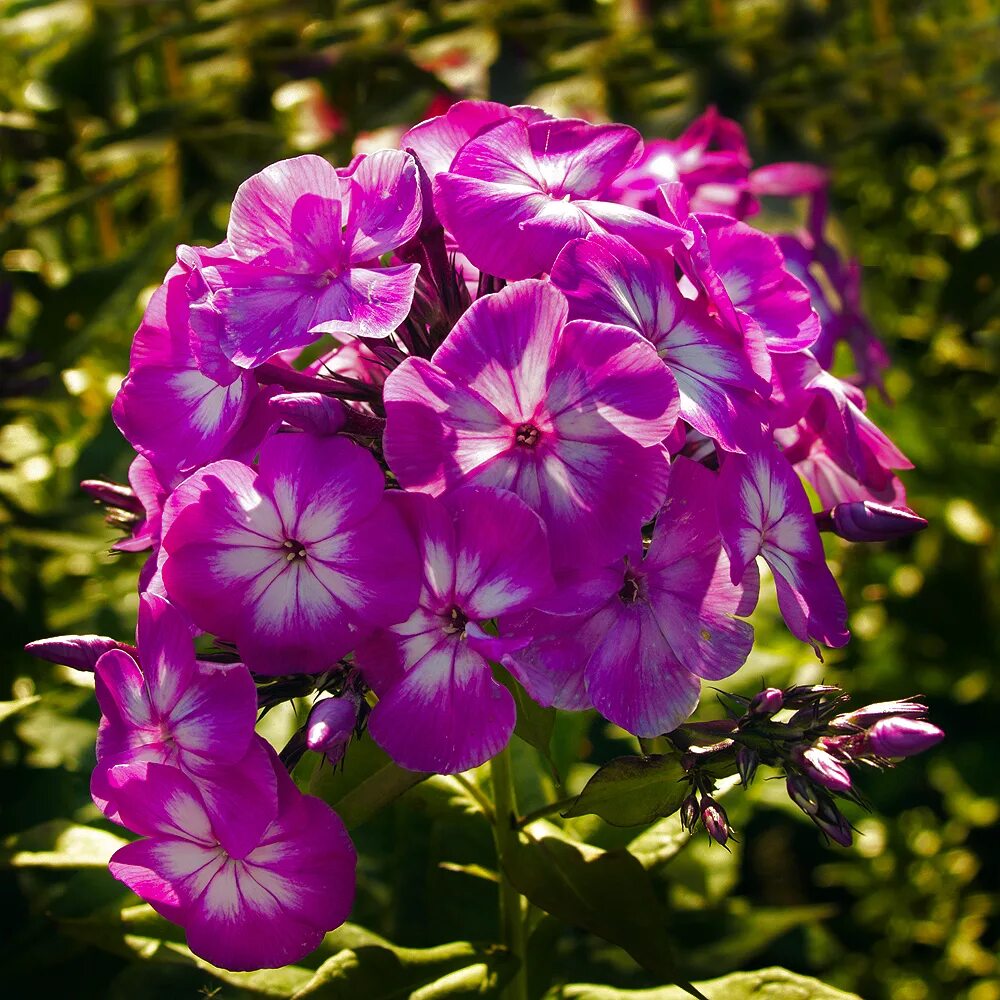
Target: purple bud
[113,495]
[802,794]
[715,820]
[79,651]
[870,714]
[331,725]
[866,521]
[902,737]
[746,763]
[313,412]
[823,768]
[689,813]
[767,702]
[787,180]
[834,823]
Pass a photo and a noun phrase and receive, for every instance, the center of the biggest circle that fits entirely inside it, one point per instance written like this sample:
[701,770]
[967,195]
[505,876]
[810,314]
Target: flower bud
[767,702]
[823,768]
[715,820]
[787,180]
[867,521]
[689,813]
[802,793]
[833,823]
[902,737]
[331,725]
[870,714]
[78,651]
[746,763]
[113,495]
[313,412]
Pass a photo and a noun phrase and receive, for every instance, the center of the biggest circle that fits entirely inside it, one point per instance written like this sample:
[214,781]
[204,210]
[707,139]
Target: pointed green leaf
[630,791]
[59,844]
[605,892]
[368,781]
[386,972]
[767,984]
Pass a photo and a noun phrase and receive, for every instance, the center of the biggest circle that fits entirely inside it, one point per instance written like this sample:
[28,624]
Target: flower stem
[511,903]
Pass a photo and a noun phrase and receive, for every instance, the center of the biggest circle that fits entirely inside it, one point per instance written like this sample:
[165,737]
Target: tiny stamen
[527,435]
[296,550]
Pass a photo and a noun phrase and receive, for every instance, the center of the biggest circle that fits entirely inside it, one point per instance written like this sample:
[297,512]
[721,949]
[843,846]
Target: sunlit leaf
[629,791]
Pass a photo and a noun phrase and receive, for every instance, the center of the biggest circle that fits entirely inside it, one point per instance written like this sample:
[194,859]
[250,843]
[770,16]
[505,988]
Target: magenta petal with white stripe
[296,562]
[606,279]
[485,553]
[568,416]
[764,510]
[516,194]
[265,907]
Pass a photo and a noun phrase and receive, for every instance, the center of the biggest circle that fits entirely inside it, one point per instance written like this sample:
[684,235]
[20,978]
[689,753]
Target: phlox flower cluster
[525,392]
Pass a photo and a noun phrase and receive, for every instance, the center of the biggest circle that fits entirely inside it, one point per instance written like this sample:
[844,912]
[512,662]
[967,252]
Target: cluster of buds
[815,744]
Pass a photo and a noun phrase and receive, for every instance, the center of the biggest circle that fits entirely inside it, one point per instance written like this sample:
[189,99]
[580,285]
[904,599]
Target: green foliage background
[125,127]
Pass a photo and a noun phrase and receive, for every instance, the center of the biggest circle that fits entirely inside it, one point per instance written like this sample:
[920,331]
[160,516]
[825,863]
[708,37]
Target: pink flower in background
[764,510]
[515,195]
[569,416]
[265,905]
[306,244]
[607,280]
[294,562]
[659,621]
[485,553]
[165,706]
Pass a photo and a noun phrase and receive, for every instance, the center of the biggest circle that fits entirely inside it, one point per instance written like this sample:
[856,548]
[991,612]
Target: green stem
[546,810]
[511,903]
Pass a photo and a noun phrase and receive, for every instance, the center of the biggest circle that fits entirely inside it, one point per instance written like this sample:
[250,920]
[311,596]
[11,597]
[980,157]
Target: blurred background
[125,128]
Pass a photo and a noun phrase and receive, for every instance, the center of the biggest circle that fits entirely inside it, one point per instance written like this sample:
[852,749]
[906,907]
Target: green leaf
[630,791]
[59,844]
[368,781]
[534,723]
[606,892]
[767,984]
[660,843]
[384,972]
[9,708]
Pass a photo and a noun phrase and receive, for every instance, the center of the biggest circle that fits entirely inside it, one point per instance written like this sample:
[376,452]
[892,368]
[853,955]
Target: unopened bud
[78,651]
[715,820]
[747,761]
[113,495]
[767,702]
[870,714]
[867,521]
[313,412]
[833,823]
[331,725]
[903,737]
[802,793]
[689,813]
[823,768]
[787,180]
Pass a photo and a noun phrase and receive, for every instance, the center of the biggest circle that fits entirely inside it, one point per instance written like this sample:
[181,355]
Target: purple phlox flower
[569,416]
[331,725]
[710,158]
[741,271]
[294,562]
[179,407]
[517,194]
[646,630]
[485,553]
[829,416]
[607,280]
[866,521]
[81,652]
[899,736]
[264,905]
[764,510]
[437,141]
[306,246]
[167,707]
